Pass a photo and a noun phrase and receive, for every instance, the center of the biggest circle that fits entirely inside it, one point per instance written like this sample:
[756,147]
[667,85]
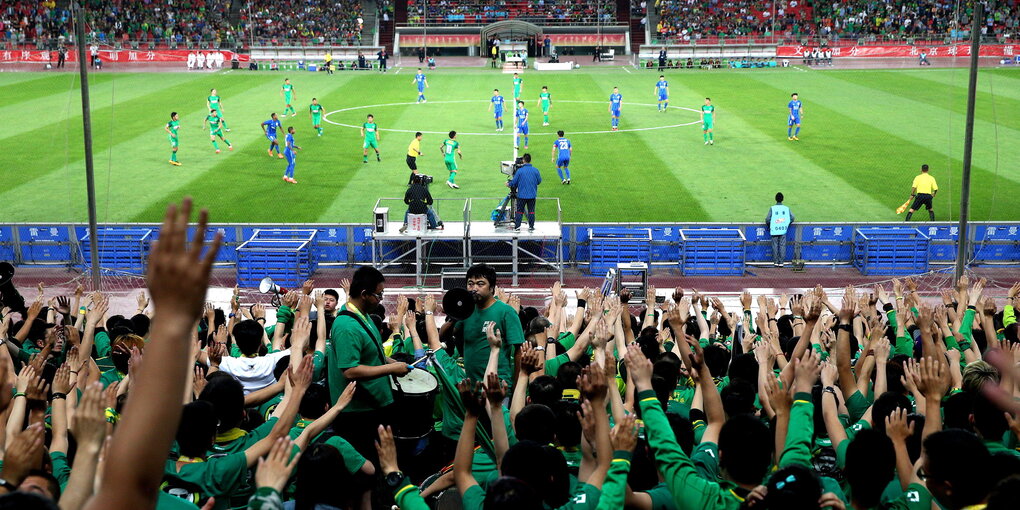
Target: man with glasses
[356,354]
[481,282]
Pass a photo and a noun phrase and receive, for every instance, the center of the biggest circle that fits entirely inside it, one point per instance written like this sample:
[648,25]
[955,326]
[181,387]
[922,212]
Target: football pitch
[865,133]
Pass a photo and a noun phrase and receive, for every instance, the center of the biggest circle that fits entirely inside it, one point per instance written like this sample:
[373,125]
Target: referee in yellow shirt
[413,151]
[923,191]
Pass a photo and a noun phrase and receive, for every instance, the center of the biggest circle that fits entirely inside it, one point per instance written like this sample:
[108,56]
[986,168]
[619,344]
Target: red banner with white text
[588,39]
[116,56]
[440,41]
[955,50]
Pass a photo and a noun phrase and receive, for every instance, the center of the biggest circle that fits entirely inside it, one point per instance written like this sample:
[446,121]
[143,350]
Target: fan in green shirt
[196,476]
[506,325]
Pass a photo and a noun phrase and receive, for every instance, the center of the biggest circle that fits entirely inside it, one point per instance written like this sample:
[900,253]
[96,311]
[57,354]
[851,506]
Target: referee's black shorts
[922,199]
[411,163]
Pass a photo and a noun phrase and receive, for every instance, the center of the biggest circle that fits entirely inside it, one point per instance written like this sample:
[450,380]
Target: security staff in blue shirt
[778,221]
[526,180]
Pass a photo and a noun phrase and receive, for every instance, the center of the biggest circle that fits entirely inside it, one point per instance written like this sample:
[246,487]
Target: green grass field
[864,135]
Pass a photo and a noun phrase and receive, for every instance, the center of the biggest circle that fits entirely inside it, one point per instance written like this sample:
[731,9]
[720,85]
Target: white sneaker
[450,184]
[454,185]
[706,142]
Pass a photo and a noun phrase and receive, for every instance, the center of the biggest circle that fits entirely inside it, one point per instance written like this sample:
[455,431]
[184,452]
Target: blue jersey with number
[271,127]
[522,117]
[497,103]
[615,101]
[794,107]
[663,87]
[290,143]
[564,147]
[420,80]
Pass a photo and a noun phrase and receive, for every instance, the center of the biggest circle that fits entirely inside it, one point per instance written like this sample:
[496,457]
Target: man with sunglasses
[356,355]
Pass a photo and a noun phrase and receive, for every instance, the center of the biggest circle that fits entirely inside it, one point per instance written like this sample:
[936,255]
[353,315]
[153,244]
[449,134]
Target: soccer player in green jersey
[370,131]
[707,114]
[545,101]
[171,134]
[449,148]
[518,83]
[215,129]
[315,110]
[287,91]
[213,103]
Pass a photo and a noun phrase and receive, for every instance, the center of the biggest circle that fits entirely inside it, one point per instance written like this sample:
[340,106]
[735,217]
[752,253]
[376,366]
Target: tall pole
[968,139]
[86,120]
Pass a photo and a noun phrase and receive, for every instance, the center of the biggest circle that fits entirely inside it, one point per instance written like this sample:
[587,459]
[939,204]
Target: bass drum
[415,395]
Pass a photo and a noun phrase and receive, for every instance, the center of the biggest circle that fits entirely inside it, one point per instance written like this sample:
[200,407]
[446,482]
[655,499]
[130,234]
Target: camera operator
[419,201]
[525,180]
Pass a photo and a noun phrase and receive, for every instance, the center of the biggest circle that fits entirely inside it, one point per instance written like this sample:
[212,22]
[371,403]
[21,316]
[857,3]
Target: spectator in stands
[778,221]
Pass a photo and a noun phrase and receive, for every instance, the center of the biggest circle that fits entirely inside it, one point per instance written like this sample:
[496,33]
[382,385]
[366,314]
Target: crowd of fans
[156,21]
[315,21]
[490,11]
[884,400]
[689,20]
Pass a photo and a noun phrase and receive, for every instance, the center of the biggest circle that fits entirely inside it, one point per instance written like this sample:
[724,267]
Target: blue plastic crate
[120,249]
[890,250]
[362,245]
[826,243]
[7,244]
[609,246]
[997,243]
[331,245]
[943,246]
[712,251]
[758,244]
[46,245]
[285,255]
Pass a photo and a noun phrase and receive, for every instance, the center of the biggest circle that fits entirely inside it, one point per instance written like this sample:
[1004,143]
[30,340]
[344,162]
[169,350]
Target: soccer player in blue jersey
[496,104]
[796,111]
[522,125]
[615,104]
[290,151]
[422,83]
[662,89]
[561,152]
[269,127]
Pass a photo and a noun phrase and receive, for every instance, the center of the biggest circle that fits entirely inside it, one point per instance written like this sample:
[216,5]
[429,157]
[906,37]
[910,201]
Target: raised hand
[934,379]
[829,374]
[387,451]
[781,399]
[469,395]
[89,423]
[624,434]
[494,336]
[178,274]
[307,287]
[896,426]
[806,371]
[531,360]
[639,368]
[62,379]
[592,383]
[274,470]
[678,294]
[495,390]
[24,453]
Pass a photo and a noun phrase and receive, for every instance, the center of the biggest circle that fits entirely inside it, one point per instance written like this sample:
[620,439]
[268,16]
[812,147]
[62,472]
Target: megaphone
[8,294]
[266,286]
[459,303]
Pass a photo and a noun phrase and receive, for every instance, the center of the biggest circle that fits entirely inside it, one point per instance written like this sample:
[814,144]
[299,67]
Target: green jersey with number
[214,122]
[316,109]
[707,110]
[449,148]
[287,89]
[546,100]
[370,130]
[173,126]
[517,85]
[214,102]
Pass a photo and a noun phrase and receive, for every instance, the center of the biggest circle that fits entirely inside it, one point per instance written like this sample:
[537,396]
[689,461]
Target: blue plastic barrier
[712,251]
[610,246]
[46,245]
[943,246]
[890,251]
[287,256]
[997,243]
[758,244]
[120,249]
[826,243]
[7,244]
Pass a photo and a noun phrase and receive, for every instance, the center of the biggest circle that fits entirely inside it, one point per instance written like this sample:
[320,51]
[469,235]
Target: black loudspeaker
[459,304]
[8,294]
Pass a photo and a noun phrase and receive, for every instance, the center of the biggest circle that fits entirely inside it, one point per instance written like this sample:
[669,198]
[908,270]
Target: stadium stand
[316,21]
[541,12]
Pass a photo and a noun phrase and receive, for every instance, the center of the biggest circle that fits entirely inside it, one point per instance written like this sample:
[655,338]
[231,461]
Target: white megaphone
[266,286]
